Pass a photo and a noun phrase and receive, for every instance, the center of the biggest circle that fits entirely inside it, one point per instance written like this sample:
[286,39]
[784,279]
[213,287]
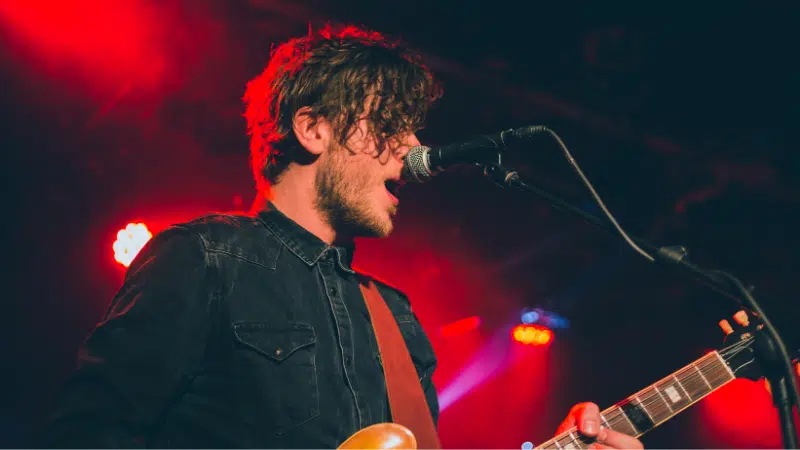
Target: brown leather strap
[406,398]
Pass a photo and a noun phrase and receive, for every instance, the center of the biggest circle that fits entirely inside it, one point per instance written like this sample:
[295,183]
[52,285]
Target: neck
[657,403]
[295,197]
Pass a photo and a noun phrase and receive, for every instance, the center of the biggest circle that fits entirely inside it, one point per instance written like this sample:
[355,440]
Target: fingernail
[590,426]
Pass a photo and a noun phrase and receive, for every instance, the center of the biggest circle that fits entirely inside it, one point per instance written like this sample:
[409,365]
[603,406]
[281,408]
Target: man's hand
[587,417]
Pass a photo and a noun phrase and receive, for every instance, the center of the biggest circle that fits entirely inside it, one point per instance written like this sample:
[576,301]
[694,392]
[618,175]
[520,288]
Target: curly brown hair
[334,71]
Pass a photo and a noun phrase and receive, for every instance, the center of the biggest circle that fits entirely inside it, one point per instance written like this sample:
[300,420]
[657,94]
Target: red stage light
[460,326]
[117,42]
[532,335]
[130,241]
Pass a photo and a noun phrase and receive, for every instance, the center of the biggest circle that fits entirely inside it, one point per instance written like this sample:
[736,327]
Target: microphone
[422,162]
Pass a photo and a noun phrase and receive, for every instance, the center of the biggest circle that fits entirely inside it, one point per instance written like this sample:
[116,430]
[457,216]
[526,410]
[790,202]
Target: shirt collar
[308,247]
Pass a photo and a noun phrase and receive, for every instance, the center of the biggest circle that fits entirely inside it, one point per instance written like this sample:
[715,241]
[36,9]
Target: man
[252,331]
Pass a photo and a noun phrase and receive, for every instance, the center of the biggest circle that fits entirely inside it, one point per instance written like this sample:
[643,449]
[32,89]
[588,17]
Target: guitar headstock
[741,340]
[739,350]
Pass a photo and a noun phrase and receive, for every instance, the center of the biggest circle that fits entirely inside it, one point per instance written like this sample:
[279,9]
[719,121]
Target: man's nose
[406,144]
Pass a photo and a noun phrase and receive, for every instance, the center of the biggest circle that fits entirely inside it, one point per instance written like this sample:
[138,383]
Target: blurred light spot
[130,241]
[540,316]
[530,317]
[460,327]
[532,335]
[110,41]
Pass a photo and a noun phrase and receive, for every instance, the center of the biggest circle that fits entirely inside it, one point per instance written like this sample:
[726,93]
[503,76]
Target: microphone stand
[769,348]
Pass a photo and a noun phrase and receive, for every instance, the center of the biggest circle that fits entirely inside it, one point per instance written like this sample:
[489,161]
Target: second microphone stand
[771,350]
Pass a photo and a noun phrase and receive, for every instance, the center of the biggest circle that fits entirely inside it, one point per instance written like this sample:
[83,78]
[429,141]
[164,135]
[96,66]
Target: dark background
[683,117]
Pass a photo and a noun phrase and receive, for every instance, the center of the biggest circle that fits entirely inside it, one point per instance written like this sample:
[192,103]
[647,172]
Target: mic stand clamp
[770,349]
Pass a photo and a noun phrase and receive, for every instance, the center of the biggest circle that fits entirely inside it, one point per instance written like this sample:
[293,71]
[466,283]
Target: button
[278,352]
[347,360]
[332,290]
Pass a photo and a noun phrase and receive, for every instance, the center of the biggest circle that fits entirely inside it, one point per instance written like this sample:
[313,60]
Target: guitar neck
[657,403]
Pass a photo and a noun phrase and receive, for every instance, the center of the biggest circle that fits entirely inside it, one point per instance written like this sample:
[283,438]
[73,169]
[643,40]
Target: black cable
[786,359]
[595,195]
[751,301]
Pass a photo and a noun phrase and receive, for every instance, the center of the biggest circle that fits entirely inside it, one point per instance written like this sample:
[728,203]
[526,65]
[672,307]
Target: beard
[343,198]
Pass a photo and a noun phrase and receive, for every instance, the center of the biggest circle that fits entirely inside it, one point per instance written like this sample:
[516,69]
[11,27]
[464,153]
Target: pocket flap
[276,342]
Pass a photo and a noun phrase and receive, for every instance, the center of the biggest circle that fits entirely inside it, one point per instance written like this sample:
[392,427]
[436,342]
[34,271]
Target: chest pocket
[280,362]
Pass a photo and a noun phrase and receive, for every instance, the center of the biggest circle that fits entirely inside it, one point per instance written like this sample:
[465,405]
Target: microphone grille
[416,166]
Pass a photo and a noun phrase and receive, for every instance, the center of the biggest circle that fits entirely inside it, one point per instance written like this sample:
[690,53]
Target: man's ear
[313,133]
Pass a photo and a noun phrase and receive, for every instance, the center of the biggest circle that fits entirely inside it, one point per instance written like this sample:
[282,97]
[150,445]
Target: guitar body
[381,436]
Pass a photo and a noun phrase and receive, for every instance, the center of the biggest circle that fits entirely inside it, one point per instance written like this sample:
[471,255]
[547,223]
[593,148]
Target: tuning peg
[726,326]
[741,318]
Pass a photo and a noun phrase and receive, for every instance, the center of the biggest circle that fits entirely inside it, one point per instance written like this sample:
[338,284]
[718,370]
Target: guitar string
[680,375]
[612,419]
[716,374]
[702,365]
[615,415]
[713,377]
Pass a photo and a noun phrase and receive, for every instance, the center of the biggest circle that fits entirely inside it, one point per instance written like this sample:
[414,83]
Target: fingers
[588,419]
[613,439]
[586,416]
[568,423]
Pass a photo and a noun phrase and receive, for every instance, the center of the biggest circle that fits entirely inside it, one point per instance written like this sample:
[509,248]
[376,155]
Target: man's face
[351,183]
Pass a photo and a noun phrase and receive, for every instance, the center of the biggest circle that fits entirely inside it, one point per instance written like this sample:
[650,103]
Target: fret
[694,380]
[573,443]
[676,396]
[702,376]
[638,416]
[698,380]
[725,365]
[623,425]
[654,405]
[643,407]
[603,418]
[716,371]
[682,388]
[658,391]
[552,444]
[657,403]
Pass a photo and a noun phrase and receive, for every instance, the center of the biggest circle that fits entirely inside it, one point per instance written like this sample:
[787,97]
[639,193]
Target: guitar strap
[406,399]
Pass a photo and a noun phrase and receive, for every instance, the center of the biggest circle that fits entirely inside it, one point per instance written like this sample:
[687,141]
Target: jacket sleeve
[135,360]
[431,396]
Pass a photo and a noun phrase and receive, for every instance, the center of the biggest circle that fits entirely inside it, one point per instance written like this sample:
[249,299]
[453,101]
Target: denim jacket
[235,331]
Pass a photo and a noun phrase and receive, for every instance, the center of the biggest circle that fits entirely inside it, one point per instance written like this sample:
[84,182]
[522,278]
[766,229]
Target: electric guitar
[637,414]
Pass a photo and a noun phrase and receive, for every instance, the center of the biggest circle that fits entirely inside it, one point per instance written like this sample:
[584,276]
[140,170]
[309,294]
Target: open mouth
[393,186]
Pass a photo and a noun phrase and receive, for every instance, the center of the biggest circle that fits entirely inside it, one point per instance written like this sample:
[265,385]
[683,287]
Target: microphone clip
[499,174]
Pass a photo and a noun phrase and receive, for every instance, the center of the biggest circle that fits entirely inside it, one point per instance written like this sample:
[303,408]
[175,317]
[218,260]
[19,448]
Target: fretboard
[656,403]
